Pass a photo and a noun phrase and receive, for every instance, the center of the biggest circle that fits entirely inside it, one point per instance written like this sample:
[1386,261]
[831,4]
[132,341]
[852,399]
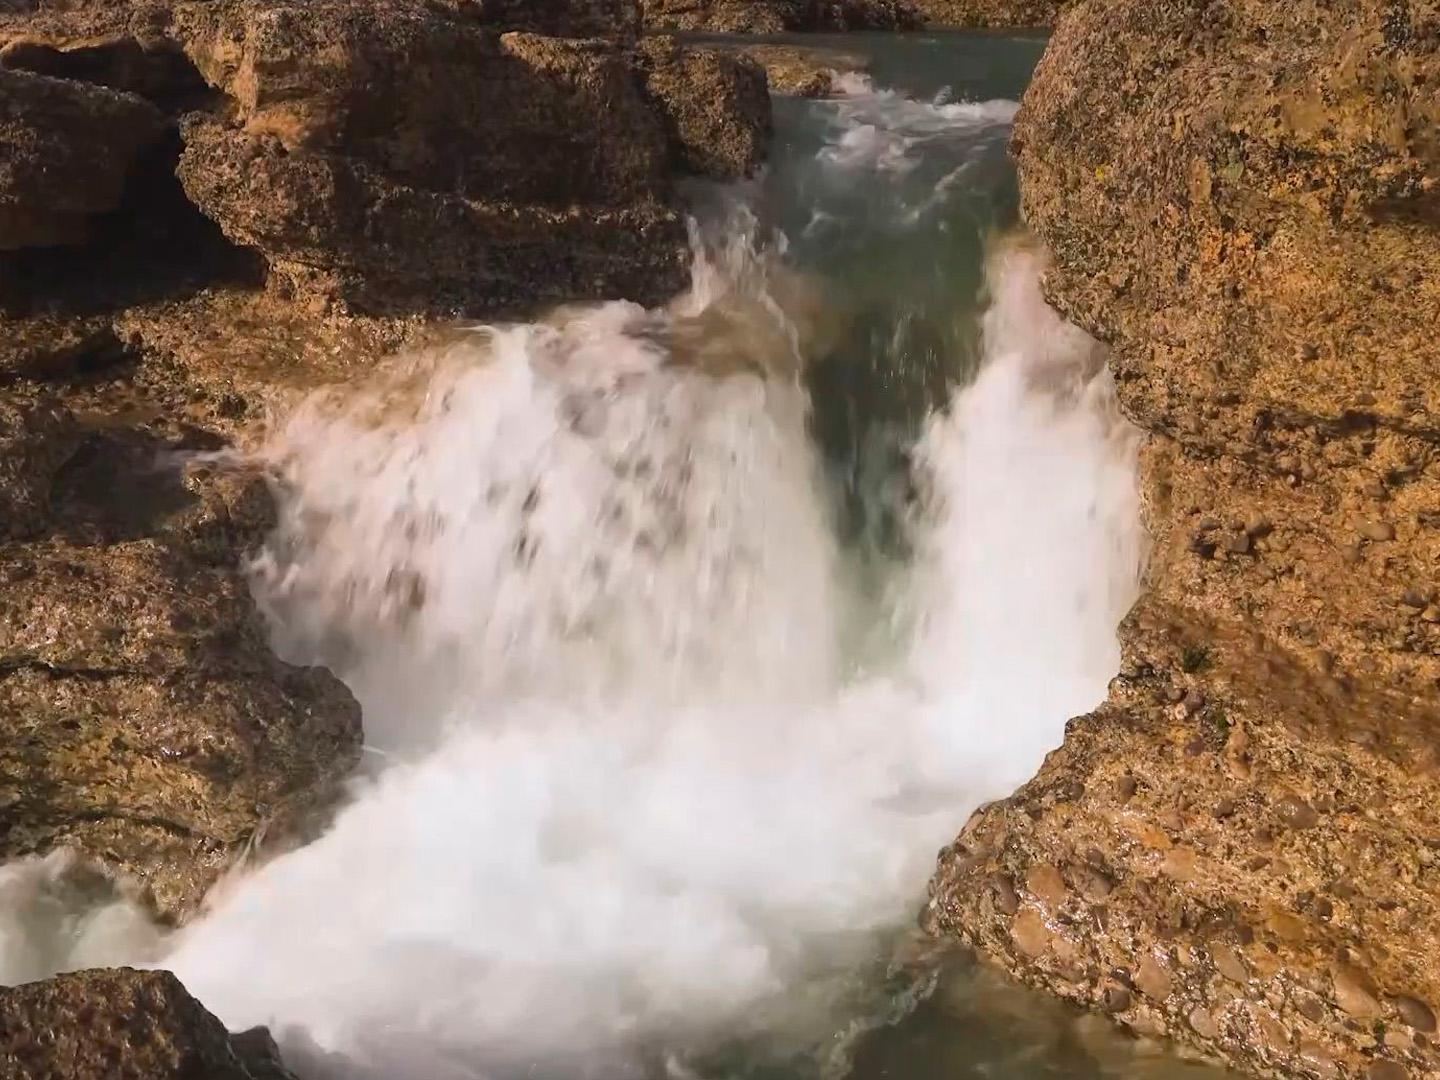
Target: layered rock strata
[1240,848]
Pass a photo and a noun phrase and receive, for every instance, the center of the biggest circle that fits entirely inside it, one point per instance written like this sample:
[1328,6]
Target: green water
[896,228]
[890,198]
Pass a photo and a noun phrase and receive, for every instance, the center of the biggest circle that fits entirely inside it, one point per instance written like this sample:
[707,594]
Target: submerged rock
[103,1024]
[1240,201]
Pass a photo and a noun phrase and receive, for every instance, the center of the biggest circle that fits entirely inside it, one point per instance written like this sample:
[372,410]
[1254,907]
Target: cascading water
[674,682]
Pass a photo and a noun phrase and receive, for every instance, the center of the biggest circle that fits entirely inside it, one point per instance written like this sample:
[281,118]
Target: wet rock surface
[1240,200]
[122,1023]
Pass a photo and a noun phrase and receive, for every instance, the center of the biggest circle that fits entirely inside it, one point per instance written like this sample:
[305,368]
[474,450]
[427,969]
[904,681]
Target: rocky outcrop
[1240,848]
[68,149]
[778,16]
[790,16]
[100,1025]
[206,207]
[404,157]
[996,13]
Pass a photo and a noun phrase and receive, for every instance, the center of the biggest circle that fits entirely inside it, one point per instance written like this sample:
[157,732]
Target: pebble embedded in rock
[1386,1070]
[1153,980]
[1227,961]
[1125,788]
[1310,1008]
[1202,1023]
[1296,813]
[1116,999]
[1239,544]
[1095,885]
[1414,1012]
[1355,993]
[1320,1060]
[1414,598]
[1046,884]
[1031,935]
[1006,898]
[1257,525]
[1377,531]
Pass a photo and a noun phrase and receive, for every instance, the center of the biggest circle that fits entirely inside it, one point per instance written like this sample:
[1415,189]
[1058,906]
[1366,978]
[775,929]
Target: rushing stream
[686,637]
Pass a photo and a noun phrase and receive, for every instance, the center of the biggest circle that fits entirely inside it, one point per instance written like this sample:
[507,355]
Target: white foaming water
[885,130]
[632,795]
[1032,553]
[656,803]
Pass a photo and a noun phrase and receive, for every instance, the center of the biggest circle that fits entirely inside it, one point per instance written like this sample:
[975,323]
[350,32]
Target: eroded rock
[1240,201]
[778,16]
[98,1025]
[66,151]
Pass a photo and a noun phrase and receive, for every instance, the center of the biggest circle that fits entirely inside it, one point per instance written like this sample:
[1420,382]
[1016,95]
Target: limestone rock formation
[715,107]
[66,150]
[790,16]
[778,16]
[405,156]
[122,1023]
[997,13]
[206,207]
[804,71]
[1239,849]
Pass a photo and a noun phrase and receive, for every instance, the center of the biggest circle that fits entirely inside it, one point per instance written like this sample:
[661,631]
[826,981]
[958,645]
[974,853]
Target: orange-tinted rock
[1240,200]
[99,1025]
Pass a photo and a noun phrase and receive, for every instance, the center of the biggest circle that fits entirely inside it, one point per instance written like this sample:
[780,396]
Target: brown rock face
[399,160]
[66,150]
[405,156]
[1018,13]
[782,16]
[207,206]
[104,1025]
[1241,199]
[687,85]
[778,16]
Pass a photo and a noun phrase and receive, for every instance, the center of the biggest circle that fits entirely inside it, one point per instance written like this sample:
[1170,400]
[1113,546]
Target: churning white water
[631,790]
